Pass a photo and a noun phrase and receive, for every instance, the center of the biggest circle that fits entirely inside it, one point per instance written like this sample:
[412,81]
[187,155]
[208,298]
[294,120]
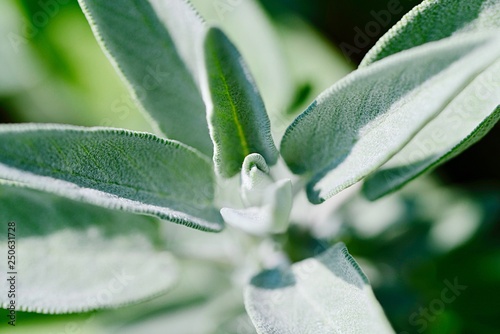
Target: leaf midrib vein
[234,113]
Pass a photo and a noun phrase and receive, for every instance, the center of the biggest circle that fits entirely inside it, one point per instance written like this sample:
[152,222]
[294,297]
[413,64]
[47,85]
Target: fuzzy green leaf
[75,257]
[362,121]
[156,46]
[433,20]
[131,171]
[248,25]
[325,294]
[236,113]
[460,125]
[463,122]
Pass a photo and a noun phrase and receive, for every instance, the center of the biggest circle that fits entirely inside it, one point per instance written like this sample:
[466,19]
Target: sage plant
[222,157]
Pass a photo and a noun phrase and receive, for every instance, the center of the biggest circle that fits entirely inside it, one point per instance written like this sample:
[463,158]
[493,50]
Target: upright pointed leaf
[325,294]
[433,20]
[156,46]
[247,24]
[131,171]
[236,113]
[75,257]
[362,121]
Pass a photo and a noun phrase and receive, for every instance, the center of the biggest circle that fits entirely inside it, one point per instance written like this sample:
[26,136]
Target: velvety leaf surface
[462,123]
[433,20]
[362,121]
[247,24]
[131,171]
[75,257]
[236,113]
[156,46]
[325,294]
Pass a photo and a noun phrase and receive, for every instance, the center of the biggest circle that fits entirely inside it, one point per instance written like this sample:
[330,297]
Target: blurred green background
[441,229]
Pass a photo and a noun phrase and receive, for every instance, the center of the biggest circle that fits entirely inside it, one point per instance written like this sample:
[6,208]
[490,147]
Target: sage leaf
[156,47]
[467,119]
[248,25]
[362,121]
[325,294]
[239,124]
[131,171]
[462,123]
[433,20]
[76,257]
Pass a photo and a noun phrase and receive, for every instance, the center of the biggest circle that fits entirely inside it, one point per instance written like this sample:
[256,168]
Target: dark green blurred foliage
[412,245]
[45,48]
[340,20]
[421,273]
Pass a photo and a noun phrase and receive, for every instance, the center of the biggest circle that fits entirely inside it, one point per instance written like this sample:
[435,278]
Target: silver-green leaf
[325,294]
[468,118]
[131,171]
[239,124]
[362,121]
[433,20]
[461,124]
[156,46]
[76,257]
[248,25]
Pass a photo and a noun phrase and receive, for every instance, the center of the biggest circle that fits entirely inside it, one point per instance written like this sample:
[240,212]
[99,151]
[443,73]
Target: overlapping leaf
[156,46]
[362,121]
[433,20]
[465,121]
[131,171]
[75,257]
[325,294]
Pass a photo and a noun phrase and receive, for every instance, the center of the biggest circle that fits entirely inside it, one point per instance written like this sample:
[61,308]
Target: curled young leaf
[272,216]
[267,203]
[255,179]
